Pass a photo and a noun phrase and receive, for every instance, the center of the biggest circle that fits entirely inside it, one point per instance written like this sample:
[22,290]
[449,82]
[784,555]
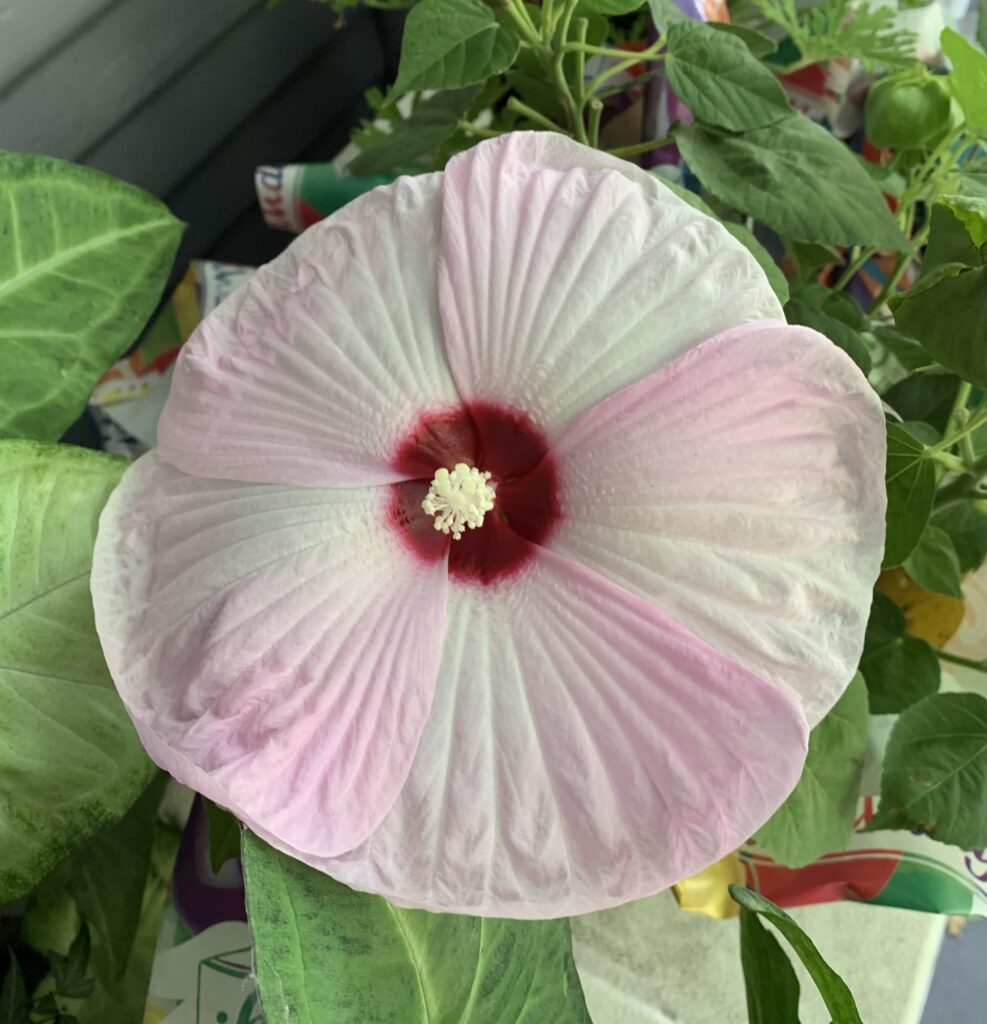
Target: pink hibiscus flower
[502,543]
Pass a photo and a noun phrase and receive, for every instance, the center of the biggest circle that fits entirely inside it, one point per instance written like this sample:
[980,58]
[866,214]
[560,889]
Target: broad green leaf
[770,982]
[927,397]
[968,77]
[795,177]
[612,8]
[954,223]
[70,760]
[934,564]
[83,260]
[746,237]
[224,834]
[898,669]
[831,986]
[720,81]
[910,479]
[817,817]
[431,123]
[449,44]
[966,523]
[946,310]
[757,42]
[800,311]
[324,952]
[14,1003]
[934,777]
[665,13]
[808,259]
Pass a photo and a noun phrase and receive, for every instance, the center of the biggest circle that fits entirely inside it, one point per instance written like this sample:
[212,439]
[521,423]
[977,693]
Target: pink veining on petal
[492,438]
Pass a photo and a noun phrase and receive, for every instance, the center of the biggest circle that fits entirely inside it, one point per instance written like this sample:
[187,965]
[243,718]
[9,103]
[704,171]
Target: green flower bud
[907,110]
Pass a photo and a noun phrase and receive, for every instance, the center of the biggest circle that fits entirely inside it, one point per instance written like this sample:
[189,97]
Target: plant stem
[619,68]
[595,113]
[858,258]
[977,420]
[641,147]
[557,68]
[532,115]
[957,415]
[525,26]
[979,666]
[480,132]
[582,25]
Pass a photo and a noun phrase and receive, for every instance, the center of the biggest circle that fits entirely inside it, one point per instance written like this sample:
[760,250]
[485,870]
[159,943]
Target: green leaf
[818,815]
[83,260]
[449,44]
[910,479]
[800,311]
[770,982]
[934,564]
[70,760]
[665,13]
[968,78]
[795,177]
[898,669]
[758,43]
[927,397]
[746,237]
[70,973]
[831,986]
[14,1003]
[954,224]
[431,123]
[719,80]
[966,524]
[971,212]
[808,259]
[934,777]
[946,310]
[224,835]
[325,952]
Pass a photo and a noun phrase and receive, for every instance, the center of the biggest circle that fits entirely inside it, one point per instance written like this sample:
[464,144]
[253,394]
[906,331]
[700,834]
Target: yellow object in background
[706,893]
[931,617]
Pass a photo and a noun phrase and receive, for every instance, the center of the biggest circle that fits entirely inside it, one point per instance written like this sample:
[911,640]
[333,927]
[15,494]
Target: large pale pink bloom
[605,686]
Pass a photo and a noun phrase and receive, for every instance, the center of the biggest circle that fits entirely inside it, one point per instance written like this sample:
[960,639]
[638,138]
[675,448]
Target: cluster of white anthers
[459,499]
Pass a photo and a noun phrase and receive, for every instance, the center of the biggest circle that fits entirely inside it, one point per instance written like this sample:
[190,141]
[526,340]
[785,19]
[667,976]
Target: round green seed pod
[907,110]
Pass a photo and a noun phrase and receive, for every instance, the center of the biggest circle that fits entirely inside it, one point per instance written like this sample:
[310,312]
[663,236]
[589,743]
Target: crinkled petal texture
[312,372]
[563,278]
[583,750]
[741,490]
[274,645]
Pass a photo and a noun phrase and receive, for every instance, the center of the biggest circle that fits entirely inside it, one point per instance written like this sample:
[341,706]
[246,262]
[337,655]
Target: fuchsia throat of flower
[502,543]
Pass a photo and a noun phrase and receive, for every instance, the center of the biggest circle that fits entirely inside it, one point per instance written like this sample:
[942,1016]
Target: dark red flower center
[494,439]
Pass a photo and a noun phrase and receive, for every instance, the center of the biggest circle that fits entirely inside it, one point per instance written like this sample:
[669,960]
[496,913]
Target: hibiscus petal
[276,647]
[741,490]
[583,750]
[564,277]
[312,372]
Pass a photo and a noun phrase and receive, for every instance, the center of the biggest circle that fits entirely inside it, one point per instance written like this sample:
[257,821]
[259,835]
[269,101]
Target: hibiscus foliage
[83,262]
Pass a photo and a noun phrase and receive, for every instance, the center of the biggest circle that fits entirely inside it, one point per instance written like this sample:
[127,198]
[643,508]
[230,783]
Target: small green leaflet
[770,982]
[758,43]
[795,177]
[899,669]
[837,997]
[431,122]
[70,760]
[324,952]
[911,484]
[818,815]
[934,564]
[720,81]
[934,777]
[83,261]
[968,78]
[449,44]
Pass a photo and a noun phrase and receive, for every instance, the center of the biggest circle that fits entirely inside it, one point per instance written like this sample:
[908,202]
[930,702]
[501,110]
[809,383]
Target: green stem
[951,462]
[979,666]
[480,132]
[619,68]
[641,147]
[957,415]
[547,20]
[559,41]
[532,115]
[897,272]
[977,420]
[582,25]
[595,113]
[525,26]
[610,51]
[857,259]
